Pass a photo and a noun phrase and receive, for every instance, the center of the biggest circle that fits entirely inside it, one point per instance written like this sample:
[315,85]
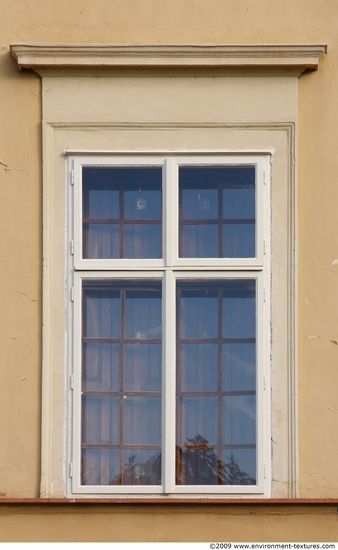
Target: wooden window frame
[171,269]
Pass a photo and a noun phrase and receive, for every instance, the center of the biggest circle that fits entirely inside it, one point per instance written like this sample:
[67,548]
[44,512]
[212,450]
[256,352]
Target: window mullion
[169,379]
[170,212]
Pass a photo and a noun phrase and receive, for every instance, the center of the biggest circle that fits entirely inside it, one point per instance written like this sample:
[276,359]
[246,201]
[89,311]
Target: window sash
[171,269]
[169,279]
[170,211]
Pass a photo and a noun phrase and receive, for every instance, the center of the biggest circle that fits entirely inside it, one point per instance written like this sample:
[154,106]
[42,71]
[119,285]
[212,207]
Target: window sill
[174,500]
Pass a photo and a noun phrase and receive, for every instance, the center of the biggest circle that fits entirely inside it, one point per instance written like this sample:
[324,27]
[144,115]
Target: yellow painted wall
[167,21]
[148,523]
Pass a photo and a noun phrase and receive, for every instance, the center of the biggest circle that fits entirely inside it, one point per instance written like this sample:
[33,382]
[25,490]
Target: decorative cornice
[109,56]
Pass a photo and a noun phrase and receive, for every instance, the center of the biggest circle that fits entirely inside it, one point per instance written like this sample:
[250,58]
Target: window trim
[183,269]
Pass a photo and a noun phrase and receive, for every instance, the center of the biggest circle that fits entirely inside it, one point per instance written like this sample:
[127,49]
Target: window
[169,276]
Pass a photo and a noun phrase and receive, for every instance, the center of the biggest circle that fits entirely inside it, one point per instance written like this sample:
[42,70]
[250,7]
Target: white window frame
[170,269]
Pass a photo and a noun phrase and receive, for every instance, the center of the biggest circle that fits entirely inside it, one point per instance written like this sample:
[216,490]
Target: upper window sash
[160,211]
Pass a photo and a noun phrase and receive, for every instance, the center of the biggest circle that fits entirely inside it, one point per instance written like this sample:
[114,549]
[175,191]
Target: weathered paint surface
[167,21]
[147,523]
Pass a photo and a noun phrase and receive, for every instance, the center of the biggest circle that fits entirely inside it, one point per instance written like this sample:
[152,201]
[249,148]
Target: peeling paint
[335,262]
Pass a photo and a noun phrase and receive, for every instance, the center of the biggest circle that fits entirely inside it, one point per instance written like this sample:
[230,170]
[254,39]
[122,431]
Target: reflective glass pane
[239,311]
[198,466]
[143,367]
[198,420]
[100,419]
[100,194]
[142,241]
[239,201]
[199,203]
[143,202]
[112,197]
[142,467]
[99,467]
[198,367]
[239,419]
[101,313]
[100,367]
[198,314]
[143,314]
[199,241]
[239,367]
[142,420]
[101,202]
[239,240]
[101,240]
[217,209]
[239,466]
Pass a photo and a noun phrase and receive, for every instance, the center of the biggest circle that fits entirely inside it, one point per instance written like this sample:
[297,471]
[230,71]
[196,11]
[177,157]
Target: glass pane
[239,240]
[101,313]
[224,195]
[198,314]
[99,467]
[114,195]
[101,202]
[209,416]
[239,200]
[239,311]
[198,466]
[100,419]
[198,203]
[143,202]
[199,420]
[199,241]
[239,420]
[198,367]
[142,420]
[101,241]
[142,241]
[143,314]
[142,467]
[101,367]
[100,195]
[239,367]
[129,367]
[143,367]
[239,466]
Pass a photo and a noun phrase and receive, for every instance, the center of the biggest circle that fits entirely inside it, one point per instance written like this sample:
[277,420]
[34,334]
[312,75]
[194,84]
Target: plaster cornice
[40,56]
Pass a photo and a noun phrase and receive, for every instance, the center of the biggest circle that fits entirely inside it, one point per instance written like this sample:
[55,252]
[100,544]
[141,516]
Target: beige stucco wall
[168,21]
[149,523]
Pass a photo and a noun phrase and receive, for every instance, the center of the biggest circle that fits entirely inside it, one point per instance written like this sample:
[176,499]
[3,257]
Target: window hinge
[72,174]
[264,177]
[71,381]
[264,294]
[264,471]
[264,383]
[264,247]
[71,469]
[71,244]
[72,294]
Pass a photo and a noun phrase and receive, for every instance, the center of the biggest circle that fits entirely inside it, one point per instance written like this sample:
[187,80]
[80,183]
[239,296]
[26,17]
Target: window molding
[172,270]
[48,56]
[75,119]
[54,470]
